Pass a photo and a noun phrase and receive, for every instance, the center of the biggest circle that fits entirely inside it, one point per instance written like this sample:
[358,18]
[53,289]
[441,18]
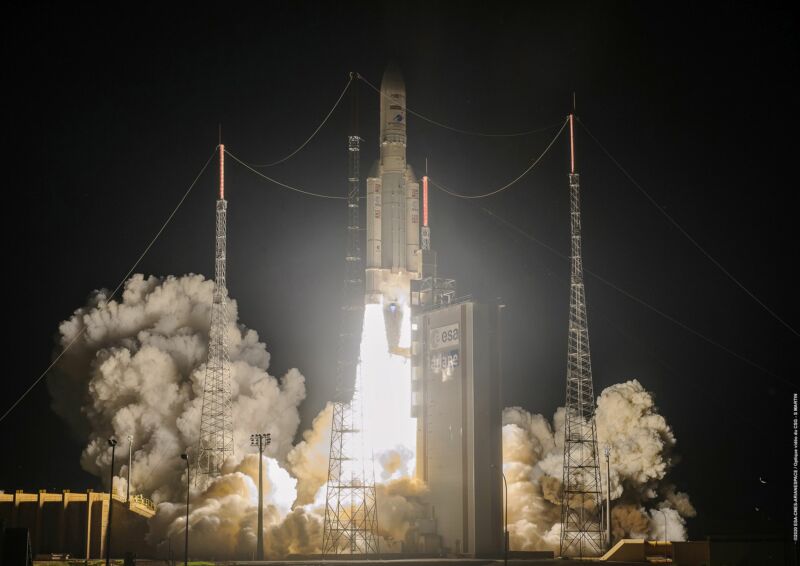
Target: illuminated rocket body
[392,211]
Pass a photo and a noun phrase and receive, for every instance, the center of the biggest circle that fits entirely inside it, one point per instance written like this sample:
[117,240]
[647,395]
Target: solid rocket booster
[392,204]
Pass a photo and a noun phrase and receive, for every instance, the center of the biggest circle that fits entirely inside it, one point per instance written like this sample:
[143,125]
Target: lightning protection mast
[216,420]
[351,512]
[581,526]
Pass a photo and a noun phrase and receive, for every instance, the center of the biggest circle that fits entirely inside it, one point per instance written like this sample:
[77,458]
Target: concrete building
[75,523]
[456,400]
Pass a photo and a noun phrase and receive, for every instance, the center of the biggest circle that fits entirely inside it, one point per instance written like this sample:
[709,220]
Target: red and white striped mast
[426,231]
[582,532]
[216,418]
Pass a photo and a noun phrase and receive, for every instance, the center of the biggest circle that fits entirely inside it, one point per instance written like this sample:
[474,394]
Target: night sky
[111,111]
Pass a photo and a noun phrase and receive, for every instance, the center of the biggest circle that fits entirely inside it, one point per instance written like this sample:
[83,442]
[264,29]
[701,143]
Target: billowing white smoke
[308,460]
[138,370]
[641,443]
[137,367]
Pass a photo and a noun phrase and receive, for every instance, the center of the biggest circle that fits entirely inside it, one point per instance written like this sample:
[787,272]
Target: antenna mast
[426,230]
[581,527]
[216,419]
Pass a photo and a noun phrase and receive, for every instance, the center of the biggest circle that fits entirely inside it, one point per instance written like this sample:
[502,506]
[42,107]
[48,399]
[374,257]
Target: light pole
[607,452]
[261,440]
[113,443]
[500,308]
[130,463]
[505,523]
[185,456]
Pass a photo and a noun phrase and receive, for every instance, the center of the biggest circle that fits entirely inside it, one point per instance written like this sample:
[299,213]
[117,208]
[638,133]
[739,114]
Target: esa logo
[445,336]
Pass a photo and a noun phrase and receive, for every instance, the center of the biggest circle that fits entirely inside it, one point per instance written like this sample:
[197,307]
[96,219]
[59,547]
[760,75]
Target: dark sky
[112,110]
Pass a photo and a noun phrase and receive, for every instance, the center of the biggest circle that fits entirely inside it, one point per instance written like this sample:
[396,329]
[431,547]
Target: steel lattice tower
[581,525]
[351,512]
[216,420]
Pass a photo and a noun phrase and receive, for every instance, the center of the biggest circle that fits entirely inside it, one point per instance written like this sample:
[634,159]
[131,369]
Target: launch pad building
[456,400]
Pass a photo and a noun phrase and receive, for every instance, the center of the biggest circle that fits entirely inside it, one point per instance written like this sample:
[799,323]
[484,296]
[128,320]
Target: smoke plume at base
[641,445]
[137,368]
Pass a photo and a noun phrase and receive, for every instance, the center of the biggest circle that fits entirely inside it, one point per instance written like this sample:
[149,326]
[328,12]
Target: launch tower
[581,525]
[351,520]
[216,420]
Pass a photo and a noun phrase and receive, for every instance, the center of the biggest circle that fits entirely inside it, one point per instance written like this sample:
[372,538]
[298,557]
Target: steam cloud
[138,369]
[641,444]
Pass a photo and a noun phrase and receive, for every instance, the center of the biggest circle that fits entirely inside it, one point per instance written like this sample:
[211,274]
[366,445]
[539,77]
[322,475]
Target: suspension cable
[284,185]
[636,299]
[450,192]
[684,232]
[313,134]
[454,129]
[116,290]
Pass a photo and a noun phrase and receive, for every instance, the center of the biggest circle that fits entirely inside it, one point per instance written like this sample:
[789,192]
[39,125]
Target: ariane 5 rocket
[393,256]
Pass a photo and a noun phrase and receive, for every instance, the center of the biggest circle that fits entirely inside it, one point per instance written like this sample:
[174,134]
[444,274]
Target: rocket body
[392,201]
[392,208]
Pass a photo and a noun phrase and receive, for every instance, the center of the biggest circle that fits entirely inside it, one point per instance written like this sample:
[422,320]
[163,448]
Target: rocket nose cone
[392,79]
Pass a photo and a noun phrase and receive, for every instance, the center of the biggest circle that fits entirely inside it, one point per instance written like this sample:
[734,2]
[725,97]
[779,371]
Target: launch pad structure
[351,517]
[454,385]
[456,400]
[454,376]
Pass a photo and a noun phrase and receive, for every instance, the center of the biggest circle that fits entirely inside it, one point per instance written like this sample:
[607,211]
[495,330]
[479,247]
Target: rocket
[393,253]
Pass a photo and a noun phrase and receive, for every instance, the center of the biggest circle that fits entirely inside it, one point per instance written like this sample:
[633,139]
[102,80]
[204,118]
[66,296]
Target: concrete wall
[75,523]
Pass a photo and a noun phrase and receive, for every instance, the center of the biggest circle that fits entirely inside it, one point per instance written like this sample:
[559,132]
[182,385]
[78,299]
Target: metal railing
[143,501]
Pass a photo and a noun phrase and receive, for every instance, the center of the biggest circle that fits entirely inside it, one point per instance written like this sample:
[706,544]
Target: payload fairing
[393,256]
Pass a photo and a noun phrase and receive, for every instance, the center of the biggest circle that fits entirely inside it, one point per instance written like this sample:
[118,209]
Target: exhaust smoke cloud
[138,370]
[641,444]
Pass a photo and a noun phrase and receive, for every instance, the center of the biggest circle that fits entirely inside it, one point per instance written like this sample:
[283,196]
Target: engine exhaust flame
[389,427]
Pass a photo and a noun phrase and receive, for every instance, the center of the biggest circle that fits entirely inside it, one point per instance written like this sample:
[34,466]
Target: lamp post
[113,443]
[261,440]
[607,452]
[505,522]
[500,307]
[130,463]
[185,456]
